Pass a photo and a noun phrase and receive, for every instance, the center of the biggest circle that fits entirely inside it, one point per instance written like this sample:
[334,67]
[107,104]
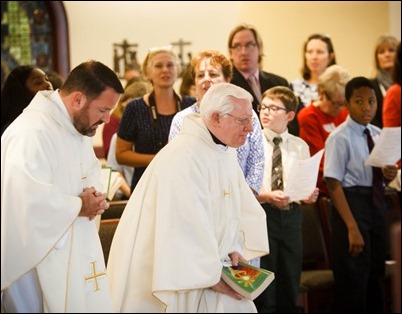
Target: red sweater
[315,127]
[108,130]
[391,108]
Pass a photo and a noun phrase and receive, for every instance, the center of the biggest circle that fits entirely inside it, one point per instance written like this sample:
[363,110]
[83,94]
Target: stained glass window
[29,32]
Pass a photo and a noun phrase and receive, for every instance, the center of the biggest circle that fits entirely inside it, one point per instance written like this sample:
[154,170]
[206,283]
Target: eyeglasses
[248,46]
[241,121]
[272,108]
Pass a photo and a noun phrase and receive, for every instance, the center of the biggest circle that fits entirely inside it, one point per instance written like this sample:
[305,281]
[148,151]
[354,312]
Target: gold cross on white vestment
[95,276]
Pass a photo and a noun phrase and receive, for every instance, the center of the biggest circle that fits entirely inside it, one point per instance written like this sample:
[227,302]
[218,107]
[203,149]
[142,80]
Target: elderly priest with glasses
[191,212]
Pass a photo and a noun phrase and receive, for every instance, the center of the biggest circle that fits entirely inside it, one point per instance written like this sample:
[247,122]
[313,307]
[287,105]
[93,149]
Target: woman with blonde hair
[384,60]
[146,121]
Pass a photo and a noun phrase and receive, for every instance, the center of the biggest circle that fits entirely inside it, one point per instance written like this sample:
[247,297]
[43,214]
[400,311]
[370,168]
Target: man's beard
[80,121]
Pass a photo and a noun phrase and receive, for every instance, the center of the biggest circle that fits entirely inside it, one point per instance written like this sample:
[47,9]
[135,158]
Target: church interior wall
[353,26]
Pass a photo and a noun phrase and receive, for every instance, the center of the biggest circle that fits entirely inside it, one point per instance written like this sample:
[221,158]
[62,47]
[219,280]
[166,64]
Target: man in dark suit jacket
[246,52]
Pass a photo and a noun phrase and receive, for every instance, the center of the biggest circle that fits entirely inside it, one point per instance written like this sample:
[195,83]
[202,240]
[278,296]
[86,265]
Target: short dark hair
[355,83]
[92,78]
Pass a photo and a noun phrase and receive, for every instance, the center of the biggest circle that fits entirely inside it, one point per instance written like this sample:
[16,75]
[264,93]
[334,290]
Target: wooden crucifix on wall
[125,58]
[183,62]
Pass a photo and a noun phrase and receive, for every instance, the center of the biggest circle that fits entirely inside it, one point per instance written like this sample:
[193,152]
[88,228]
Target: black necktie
[276,175]
[378,184]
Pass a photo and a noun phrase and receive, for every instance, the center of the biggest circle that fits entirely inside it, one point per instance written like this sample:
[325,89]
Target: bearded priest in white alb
[191,211]
[51,256]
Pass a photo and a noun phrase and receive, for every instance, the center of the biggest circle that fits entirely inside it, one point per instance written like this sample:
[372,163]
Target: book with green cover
[248,280]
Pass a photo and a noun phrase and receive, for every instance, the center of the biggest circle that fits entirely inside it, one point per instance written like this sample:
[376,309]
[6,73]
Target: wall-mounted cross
[181,44]
[126,59]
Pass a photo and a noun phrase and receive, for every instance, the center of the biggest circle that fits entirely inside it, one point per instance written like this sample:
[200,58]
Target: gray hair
[219,98]
[333,80]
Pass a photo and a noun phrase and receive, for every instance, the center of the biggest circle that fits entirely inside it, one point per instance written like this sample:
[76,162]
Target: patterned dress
[149,136]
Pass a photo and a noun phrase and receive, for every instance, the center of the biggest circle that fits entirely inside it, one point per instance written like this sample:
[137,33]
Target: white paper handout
[302,178]
[387,148]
